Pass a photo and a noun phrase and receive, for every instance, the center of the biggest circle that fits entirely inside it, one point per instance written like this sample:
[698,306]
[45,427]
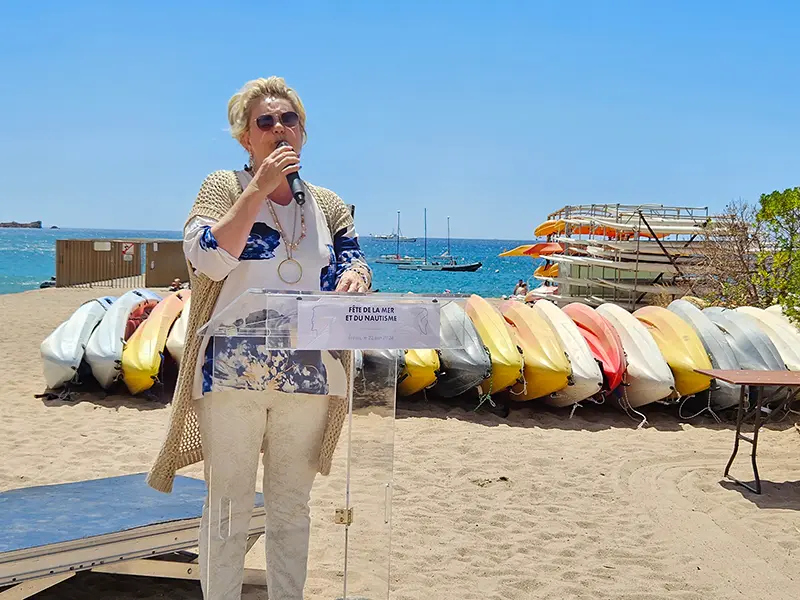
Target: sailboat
[449,262]
[396,259]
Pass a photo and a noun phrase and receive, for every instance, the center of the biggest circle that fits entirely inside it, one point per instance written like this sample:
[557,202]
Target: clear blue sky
[492,113]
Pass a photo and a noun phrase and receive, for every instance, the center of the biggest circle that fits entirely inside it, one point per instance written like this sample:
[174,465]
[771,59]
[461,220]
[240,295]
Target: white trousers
[234,427]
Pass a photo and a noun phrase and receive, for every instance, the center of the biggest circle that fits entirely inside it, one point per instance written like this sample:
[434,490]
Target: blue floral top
[240,362]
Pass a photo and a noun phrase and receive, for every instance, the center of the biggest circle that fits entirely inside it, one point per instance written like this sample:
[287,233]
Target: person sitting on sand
[521,289]
[245,230]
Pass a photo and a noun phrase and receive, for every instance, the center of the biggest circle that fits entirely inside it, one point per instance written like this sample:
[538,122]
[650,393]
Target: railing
[623,212]
[629,275]
[119,263]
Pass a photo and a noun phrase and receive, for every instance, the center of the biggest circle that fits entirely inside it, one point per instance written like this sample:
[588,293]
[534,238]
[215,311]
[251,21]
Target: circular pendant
[290,271]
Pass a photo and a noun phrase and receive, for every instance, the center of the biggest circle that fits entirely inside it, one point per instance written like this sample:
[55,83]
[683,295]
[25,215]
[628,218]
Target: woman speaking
[245,230]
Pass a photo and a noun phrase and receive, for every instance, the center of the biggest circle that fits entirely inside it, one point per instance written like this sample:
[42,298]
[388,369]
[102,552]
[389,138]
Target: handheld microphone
[294,181]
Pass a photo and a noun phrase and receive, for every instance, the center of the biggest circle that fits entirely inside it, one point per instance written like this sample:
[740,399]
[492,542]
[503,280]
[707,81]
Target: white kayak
[586,378]
[776,309]
[176,341]
[104,350]
[649,377]
[62,351]
[786,339]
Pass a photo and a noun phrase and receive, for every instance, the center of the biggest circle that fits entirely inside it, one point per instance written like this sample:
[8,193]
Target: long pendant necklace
[290,271]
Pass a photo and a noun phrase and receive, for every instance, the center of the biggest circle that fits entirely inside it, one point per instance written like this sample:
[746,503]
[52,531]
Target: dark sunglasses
[267,122]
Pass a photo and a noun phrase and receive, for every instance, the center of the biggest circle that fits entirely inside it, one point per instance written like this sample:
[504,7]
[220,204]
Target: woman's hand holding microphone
[270,174]
[273,170]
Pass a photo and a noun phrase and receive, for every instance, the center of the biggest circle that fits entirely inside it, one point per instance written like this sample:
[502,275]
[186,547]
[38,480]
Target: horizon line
[178,231]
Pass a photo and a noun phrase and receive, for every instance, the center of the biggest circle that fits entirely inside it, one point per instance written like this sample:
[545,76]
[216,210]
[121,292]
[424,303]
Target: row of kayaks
[121,338]
[528,350]
[563,356]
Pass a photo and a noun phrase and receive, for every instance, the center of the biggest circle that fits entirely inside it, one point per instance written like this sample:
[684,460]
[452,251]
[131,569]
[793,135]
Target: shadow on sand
[501,410]
[588,416]
[783,495]
[89,390]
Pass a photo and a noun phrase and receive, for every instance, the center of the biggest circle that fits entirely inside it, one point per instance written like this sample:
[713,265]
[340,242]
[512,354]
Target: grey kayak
[723,395]
[463,356]
[752,347]
[381,364]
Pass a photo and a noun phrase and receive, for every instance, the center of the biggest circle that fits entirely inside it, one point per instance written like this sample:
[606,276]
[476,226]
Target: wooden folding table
[756,379]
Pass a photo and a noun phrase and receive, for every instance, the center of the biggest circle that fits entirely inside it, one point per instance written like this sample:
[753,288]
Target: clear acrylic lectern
[342,347]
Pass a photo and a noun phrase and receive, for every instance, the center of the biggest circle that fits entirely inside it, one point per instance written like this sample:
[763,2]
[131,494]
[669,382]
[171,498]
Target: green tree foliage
[778,217]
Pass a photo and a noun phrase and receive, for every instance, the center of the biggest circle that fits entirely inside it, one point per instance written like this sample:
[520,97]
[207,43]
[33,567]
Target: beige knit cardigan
[182,445]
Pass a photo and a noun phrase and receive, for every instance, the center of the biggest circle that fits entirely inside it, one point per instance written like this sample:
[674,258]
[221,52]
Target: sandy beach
[537,505]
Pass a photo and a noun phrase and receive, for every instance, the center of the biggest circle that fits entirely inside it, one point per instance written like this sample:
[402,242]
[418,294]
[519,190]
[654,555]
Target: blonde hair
[272,87]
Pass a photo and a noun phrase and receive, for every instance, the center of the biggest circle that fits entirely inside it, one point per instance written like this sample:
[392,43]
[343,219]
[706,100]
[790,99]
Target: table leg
[757,413]
[756,427]
[739,419]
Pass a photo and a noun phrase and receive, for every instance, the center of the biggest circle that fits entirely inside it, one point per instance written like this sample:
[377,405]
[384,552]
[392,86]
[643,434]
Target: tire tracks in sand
[708,524]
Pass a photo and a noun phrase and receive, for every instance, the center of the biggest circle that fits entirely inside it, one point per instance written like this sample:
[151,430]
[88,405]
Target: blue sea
[27,258]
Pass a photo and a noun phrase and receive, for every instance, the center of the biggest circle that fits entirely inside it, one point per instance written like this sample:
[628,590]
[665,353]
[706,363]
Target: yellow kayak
[421,371]
[549,227]
[680,346]
[546,368]
[518,251]
[144,350]
[506,356]
[546,270]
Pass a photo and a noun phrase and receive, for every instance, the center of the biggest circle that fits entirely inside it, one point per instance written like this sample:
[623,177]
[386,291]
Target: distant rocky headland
[31,225]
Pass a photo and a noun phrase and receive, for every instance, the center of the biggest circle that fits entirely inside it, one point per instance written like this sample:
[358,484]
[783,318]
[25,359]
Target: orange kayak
[535,250]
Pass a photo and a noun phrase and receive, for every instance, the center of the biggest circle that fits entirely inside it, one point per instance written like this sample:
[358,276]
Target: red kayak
[603,341]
